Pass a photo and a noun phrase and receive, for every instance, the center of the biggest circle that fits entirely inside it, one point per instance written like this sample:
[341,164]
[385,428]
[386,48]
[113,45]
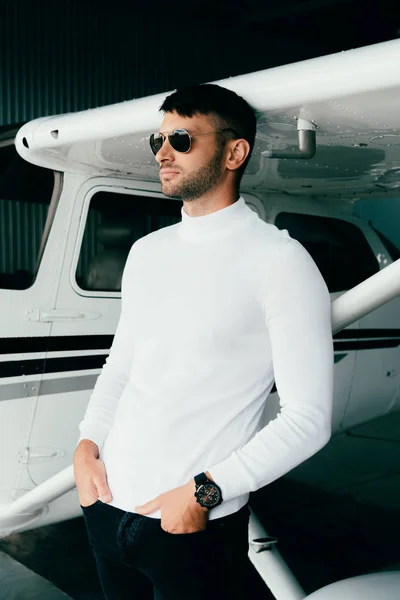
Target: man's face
[190,175]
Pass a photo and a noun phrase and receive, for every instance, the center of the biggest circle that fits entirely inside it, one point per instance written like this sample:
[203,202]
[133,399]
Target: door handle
[61,315]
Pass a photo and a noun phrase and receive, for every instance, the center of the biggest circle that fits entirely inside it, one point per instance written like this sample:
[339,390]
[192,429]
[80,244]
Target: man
[214,310]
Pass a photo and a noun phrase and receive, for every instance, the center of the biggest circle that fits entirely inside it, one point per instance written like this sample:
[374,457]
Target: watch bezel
[202,502]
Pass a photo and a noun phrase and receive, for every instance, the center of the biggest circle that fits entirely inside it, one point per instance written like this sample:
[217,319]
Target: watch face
[208,494]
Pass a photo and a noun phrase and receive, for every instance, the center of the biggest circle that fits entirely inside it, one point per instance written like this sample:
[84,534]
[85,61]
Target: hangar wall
[70,55]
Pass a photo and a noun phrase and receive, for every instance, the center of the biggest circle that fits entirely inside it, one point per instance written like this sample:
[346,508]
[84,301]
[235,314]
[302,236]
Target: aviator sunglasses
[180,139]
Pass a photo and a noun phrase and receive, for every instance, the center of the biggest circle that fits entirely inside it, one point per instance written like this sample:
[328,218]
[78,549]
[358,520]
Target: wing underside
[352,98]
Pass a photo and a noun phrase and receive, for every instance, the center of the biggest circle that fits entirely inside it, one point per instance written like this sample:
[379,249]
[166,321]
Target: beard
[198,183]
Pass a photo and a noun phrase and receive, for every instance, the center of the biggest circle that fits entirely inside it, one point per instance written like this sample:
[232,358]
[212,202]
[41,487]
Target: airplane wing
[351,97]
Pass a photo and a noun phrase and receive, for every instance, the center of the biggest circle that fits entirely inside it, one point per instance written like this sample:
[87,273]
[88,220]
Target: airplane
[78,189]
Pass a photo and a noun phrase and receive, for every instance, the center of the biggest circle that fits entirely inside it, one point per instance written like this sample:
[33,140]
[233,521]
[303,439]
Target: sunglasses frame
[190,136]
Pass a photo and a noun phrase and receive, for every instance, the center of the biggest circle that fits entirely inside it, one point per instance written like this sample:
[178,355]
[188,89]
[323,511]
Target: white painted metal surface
[272,567]
[375,586]
[369,294]
[30,507]
[370,68]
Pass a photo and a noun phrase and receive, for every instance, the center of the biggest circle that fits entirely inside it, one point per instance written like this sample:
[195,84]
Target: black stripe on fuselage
[350,345]
[357,334]
[16,368]
[344,341]
[366,339]
[65,343]
[348,339]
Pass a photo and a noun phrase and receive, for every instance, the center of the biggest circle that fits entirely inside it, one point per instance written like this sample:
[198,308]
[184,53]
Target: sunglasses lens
[179,140]
[156,141]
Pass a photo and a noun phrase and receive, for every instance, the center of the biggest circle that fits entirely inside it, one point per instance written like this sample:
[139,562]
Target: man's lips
[168,172]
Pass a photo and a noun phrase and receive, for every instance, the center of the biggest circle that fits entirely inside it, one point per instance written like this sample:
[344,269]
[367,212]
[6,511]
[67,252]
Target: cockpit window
[339,248]
[25,194]
[115,221]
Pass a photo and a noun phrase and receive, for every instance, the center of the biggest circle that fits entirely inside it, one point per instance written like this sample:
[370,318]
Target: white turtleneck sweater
[214,309]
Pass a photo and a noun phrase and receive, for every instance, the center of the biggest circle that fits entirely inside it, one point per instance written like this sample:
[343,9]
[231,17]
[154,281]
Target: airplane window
[114,223]
[393,250]
[25,194]
[339,248]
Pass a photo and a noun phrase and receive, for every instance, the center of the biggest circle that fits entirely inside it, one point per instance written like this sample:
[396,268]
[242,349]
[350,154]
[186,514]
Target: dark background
[66,55]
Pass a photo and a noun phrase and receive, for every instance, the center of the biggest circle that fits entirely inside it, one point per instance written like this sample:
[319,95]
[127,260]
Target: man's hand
[180,513]
[90,474]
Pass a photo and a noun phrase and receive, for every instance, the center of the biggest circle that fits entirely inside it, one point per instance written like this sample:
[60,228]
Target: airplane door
[376,384]
[106,221]
[28,283]
[344,258]
[366,379]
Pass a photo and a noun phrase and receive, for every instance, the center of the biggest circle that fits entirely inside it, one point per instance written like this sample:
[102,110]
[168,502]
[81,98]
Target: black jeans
[136,557]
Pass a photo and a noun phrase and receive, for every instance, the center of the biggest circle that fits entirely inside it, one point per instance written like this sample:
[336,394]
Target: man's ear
[237,154]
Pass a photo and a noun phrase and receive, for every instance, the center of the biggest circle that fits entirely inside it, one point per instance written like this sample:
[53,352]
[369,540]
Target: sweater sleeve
[298,319]
[110,384]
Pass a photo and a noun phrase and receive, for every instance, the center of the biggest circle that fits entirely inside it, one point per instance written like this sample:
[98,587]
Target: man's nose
[166,152]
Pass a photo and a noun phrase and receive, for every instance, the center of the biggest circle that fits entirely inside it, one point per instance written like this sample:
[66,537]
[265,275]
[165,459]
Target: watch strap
[201,478]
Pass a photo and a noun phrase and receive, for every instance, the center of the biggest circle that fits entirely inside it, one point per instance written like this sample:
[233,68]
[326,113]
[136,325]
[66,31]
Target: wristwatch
[208,493]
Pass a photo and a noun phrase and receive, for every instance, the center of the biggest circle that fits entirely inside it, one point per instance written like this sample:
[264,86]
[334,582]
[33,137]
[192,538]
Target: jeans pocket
[184,535]
[87,508]
[187,542]
[128,529]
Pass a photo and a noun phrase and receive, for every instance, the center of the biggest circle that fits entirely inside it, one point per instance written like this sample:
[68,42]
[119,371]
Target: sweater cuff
[231,477]
[95,434]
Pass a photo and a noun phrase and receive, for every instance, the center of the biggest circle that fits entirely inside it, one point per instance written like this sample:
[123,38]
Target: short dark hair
[228,108]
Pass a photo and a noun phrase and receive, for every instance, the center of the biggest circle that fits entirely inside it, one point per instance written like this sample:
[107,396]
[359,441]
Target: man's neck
[209,203]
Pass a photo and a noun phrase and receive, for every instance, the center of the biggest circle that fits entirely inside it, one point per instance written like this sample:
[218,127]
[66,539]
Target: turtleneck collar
[215,225]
